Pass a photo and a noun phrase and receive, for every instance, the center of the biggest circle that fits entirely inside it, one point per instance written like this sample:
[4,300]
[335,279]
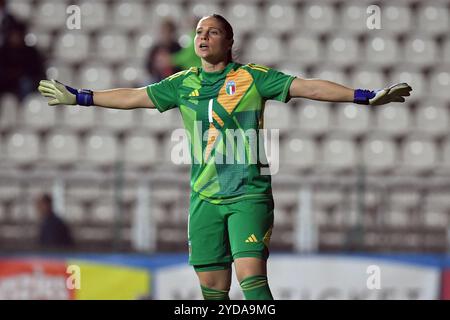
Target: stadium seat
[74,212]
[112,46]
[39,37]
[343,50]
[78,118]
[103,212]
[21,9]
[62,148]
[420,50]
[440,82]
[445,158]
[280,17]
[396,17]
[314,117]
[353,119]
[22,147]
[367,78]
[72,47]
[379,153]
[446,50]
[277,115]
[418,154]
[263,49]
[382,50]
[101,148]
[50,14]
[435,218]
[162,10]
[353,17]
[243,17]
[37,115]
[175,150]
[142,44]
[62,72]
[398,218]
[129,15]
[338,154]
[393,119]
[203,8]
[94,14]
[10,189]
[141,150]
[298,151]
[84,190]
[432,117]
[318,17]
[331,73]
[433,18]
[96,76]
[154,121]
[404,199]
[131,75]
[9,111]
[116,120]
[304,49]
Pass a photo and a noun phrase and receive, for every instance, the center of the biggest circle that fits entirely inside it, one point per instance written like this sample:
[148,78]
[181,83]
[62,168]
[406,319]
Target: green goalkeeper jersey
[223,115]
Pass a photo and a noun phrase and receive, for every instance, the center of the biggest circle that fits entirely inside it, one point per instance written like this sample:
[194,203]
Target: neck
[214,66]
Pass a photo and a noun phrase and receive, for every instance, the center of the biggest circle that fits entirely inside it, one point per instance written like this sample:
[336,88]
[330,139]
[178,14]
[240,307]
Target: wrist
[361,96]
[84,97]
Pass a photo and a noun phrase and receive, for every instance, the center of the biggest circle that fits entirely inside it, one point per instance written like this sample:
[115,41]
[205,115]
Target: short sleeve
[271,84]
[163,94]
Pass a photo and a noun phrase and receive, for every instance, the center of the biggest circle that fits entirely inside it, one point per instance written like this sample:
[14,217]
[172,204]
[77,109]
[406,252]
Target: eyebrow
[209,28]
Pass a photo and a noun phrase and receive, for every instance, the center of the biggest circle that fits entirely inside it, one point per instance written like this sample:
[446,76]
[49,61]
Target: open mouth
[203,46]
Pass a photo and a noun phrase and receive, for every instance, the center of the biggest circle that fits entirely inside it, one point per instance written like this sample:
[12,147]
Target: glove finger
[46,90]
[46,85]
[48,95]
[53,102]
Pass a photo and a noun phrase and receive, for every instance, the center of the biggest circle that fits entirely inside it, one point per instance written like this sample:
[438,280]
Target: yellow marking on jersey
[252,238]
[213,133]
[218,119]
[194,93]
[267,236]
[258,67]
[243,81]
[180,73]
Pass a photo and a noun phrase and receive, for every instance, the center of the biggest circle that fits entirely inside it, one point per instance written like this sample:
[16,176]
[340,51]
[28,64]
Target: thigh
[207,234]
[250,228]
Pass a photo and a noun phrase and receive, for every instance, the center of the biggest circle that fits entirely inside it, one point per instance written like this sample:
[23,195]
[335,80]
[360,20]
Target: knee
[214,281]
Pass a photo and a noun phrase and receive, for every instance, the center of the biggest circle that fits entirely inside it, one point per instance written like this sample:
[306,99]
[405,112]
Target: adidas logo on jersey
[194,93]
[252,238]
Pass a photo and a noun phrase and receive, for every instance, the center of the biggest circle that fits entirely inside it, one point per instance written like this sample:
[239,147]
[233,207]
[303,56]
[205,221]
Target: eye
[214,32]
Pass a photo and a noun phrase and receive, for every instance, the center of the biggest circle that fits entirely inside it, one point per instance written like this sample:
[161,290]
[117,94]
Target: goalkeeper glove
[394,93]
[62,94]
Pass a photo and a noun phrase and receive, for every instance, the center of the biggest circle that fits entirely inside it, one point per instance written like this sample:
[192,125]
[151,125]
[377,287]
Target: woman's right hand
[62,94]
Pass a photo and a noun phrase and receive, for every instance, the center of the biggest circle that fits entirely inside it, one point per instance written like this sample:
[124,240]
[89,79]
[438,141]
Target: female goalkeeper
[231,204]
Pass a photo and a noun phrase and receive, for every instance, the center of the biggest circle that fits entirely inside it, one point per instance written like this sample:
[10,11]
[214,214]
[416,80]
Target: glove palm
[57,92]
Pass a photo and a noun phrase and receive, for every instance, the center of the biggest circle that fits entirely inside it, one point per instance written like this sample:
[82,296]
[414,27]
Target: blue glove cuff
[84,97]
[363,96]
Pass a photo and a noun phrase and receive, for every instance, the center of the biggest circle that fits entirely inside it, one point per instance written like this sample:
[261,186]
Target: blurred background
[357,185]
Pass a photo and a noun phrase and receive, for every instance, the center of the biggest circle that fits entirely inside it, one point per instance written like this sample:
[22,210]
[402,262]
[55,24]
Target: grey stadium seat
[298,151]
[243,17]
[141,150]
[78,118]
[353,119]
[432,117]
[314,117]
[338,153]
[393,119]
[379,153]
[101,148]
[433,18]
[22,147]
[96,76]
[318,17]
[420,50]
[343,50]
[115,119]
[94,14]
[37,115]
[280,17]
[62,148]
[382,49]
[129,15]
[72,47]
[305,48]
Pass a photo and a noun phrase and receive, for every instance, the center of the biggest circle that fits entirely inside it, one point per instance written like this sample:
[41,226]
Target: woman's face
[211,43]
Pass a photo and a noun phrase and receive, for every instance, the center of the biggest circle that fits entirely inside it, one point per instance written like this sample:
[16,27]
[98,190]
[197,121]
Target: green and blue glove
[394,93]
[62,94]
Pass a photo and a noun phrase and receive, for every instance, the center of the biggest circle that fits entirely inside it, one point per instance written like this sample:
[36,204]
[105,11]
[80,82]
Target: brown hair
[229,34]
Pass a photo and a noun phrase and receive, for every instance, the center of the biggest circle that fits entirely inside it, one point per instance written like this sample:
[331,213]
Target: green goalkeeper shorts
[220,233]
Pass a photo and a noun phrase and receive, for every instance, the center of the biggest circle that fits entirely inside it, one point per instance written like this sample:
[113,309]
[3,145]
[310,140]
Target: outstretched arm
[114,98]
[323,90]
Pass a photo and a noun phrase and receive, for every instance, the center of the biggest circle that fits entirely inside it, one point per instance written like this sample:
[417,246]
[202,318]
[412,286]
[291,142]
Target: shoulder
[181,75]
[256,68]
